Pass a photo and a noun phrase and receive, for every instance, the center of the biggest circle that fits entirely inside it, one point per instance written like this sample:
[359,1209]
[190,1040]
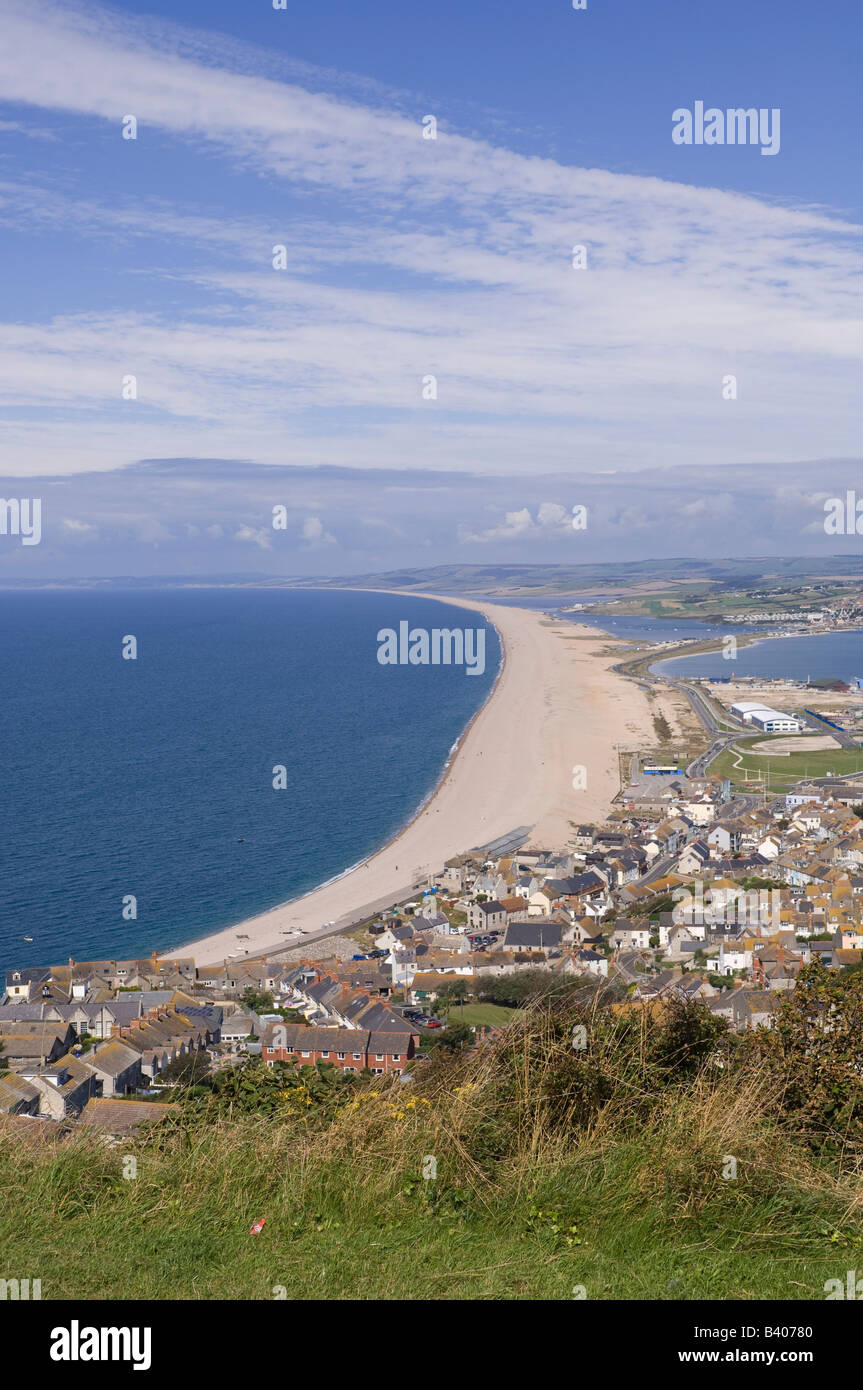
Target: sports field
[745,766]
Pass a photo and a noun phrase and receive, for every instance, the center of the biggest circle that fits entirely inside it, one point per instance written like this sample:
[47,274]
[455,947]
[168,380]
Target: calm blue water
[627,629]
[834,654]
[141,777]
[630,629]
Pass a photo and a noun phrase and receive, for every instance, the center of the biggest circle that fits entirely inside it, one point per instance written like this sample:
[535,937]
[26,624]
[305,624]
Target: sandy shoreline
[556,705]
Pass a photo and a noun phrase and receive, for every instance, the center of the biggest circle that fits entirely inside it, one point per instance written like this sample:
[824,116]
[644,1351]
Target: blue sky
[408,258]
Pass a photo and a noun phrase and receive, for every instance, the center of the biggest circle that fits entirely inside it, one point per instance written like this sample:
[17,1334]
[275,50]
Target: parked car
[433,1023]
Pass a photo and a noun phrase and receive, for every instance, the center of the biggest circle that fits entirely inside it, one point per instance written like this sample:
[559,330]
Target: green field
[478,1015]
[709,599]
[783,770]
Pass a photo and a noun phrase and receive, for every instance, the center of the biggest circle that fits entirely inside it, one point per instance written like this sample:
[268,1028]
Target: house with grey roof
[19,1010]
[348,1049]
[236,1028]
[691,987]
[21,1050]
[628,935]
[27,984]
[116,1067]
[206,1016]
[533,936]
[17,1096]
[119,1119]
[64,1086]
[487,917]
[656,986]
[590,963]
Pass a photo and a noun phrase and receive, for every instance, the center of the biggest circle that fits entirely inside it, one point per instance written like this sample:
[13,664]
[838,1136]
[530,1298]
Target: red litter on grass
[258,1227]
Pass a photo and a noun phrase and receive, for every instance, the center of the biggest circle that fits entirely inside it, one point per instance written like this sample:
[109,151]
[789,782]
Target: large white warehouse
[772,721]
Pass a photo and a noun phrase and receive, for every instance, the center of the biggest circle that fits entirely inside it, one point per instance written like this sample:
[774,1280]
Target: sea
[137,805]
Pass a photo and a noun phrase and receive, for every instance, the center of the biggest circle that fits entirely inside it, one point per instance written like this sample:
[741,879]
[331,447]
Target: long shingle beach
[556,705]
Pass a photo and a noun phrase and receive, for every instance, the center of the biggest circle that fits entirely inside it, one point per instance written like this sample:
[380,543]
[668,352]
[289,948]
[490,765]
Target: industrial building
[772,721]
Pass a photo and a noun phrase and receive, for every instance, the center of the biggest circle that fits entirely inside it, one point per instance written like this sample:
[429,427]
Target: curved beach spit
[555,706]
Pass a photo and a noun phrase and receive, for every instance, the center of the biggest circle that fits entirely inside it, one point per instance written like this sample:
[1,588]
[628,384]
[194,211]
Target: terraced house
[349,1049]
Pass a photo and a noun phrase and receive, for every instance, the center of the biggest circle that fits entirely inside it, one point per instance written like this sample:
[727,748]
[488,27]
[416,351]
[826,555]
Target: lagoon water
[638,630]
[836,655]
[154,777]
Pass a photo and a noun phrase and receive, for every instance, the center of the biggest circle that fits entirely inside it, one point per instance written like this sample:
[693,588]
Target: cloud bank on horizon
[186,517]
[293,277]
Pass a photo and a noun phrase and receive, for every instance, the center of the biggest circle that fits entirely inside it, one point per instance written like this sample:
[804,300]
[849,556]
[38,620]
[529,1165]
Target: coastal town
[688,891]
[431,617]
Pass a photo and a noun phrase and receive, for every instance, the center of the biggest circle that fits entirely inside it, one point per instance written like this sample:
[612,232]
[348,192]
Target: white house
[629,938]
[733,956]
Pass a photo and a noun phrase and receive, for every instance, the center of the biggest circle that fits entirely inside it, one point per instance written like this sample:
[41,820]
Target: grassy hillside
[605,1169]
[697,576]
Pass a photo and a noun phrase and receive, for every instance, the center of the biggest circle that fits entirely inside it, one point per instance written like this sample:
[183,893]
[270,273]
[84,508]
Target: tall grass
[649,1164]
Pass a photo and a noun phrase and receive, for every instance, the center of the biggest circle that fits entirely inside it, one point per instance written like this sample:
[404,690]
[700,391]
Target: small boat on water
[28,938]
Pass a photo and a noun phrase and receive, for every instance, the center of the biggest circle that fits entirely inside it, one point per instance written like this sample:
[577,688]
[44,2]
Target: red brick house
[349,1049]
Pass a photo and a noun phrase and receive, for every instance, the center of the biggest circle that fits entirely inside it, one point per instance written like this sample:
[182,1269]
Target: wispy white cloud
[32,132]
[450,257]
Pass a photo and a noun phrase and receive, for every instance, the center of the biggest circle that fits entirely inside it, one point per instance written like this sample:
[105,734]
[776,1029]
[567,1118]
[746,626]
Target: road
[705,716]
[625,964]
[720,741]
